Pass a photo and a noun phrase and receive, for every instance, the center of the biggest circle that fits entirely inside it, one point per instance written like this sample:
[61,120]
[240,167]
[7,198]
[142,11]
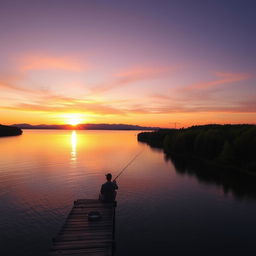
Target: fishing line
[129,163]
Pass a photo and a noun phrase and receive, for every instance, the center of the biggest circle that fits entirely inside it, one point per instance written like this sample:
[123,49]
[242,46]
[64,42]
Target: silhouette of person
[108,189]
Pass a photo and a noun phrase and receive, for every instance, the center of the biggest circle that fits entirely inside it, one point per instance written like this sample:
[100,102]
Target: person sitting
[108,189]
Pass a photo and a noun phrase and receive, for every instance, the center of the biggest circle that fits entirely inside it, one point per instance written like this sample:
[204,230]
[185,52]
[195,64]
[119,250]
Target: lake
[161,211]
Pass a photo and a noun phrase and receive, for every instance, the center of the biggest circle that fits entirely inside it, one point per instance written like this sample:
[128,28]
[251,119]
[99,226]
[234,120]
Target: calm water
[160,211]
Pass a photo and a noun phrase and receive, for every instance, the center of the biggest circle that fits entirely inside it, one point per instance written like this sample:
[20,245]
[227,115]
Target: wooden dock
[80,236]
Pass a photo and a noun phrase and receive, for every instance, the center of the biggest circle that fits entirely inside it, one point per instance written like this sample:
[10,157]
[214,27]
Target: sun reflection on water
[73,155]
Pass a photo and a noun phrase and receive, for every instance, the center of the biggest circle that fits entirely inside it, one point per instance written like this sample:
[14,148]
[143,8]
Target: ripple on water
[158,210]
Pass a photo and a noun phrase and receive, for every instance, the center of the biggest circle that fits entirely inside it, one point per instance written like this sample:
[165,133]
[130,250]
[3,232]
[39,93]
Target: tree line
[226,145]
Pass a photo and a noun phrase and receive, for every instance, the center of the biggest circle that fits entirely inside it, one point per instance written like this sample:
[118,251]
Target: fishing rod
[129,163]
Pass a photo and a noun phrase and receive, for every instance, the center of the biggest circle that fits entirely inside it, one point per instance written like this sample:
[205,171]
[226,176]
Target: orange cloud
[45,62]
[97,108]
[141,73]
[224,78]
[200,98]
[134,75]
[159,96]
[10,86]
[242,107]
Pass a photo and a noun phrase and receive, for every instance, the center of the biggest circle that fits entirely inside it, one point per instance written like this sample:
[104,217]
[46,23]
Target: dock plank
[80,236]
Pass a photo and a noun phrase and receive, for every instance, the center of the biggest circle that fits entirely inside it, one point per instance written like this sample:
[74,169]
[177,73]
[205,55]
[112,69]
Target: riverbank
[222,147]
[9,131]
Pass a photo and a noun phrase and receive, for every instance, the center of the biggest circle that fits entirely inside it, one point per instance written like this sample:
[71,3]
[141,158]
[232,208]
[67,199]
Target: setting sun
[74,121]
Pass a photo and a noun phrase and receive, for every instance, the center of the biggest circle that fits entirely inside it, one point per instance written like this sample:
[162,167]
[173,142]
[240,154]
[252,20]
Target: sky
[171,63]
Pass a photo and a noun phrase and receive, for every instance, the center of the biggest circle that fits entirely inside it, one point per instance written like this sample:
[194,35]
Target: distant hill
[9,131]
[87,127]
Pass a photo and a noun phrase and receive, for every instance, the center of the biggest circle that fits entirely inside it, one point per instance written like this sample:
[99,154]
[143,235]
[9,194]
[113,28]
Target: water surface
[160,211]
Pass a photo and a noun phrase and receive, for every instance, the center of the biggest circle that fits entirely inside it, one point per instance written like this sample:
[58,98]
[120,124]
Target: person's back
[108,190]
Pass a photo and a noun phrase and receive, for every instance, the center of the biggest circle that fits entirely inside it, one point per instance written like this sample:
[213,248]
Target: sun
[74,121]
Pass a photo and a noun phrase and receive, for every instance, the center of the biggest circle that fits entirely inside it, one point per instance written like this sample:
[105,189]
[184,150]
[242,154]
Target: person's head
[109,177]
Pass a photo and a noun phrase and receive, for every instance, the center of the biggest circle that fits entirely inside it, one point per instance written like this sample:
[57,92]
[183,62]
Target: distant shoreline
[124,127]
[91,129]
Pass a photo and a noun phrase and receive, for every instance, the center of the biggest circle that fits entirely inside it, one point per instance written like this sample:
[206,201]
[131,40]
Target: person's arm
[115,185]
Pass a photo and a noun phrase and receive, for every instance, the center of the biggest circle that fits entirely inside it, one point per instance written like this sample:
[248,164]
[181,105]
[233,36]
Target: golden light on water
[73,146]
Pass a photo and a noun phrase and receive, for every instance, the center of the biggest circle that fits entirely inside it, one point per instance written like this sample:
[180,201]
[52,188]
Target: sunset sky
[154,63]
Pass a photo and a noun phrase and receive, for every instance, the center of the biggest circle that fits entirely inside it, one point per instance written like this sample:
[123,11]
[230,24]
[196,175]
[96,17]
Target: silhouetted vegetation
[9,130]
[230,147]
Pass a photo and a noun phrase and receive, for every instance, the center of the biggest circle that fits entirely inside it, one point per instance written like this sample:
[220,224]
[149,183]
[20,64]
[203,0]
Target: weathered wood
[80,252]
[80,236]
